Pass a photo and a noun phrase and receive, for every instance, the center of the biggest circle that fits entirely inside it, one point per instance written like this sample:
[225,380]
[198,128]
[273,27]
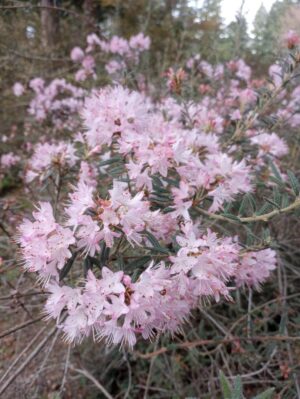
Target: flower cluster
[147,176]
[128,51]
[44,243]
[49,155]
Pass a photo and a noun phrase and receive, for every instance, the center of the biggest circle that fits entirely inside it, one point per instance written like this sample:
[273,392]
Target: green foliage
[236,391]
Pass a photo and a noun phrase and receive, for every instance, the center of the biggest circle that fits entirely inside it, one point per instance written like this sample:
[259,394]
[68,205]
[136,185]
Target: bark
[89,9]
[50,23]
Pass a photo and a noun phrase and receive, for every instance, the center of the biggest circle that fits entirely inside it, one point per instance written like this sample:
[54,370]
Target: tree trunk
[50,23]
[89,9]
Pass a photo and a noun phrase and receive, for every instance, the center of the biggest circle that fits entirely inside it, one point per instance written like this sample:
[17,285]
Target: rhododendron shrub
[158,204]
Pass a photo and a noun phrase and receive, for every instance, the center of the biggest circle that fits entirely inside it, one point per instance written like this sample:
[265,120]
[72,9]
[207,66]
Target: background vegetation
[36,38]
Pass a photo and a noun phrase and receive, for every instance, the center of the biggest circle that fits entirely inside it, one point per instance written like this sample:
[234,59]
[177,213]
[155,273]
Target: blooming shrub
[143,183]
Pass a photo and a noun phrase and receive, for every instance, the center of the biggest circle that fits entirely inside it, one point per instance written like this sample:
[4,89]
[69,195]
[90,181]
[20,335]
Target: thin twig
[150,371]
[65,370]
[88,375]
[200,342]
[22,353]
[28,360]
[20,326]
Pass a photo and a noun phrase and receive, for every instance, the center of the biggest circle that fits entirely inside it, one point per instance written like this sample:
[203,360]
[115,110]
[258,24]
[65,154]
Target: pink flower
[118,45]
[270,144]
[18,89]
[113,111]
[255,267]
[44,243]
[291,39]
[88,63]
[114,66]
[77,54]
[61,297]
[140,42]
[8,160]
[47,156]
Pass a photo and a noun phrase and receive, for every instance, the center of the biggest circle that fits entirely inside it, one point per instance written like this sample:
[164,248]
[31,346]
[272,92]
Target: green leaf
[118,170]
[139,262]
[294,182]
[285,201]
[272,203]
[268,394]
[238,388]
[275,171]
[155,243]
[251,201]
[87,265]
[266,208]
[225,385]
[67,267]
[266,235]
[110,161]
[157,181]
[104,253]
[279,183]
[277,197]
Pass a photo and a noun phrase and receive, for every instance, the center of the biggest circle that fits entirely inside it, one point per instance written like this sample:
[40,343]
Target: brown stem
[257,218]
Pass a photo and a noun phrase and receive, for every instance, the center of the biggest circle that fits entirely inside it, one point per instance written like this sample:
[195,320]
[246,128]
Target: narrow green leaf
[272,203]
[248,205]
[266,208]
[139,262]
[275,171]
[155,243]
[279,183]
[238,388]
[225,385]
[87,265]
[268,394]
[285,201]
[294,182]
[110,161]
[277,197]
[104,253]
[67,267]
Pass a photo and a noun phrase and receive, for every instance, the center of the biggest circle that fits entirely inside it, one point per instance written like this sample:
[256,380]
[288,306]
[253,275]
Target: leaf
[110,161]
[172,182]
[87,265]
[67,267]
[266,235]
[225,385]
[237,389]
[266,208]
[139,262]
[157,181]
[272,203]
[268,394]
[277,197]
[279,183]
[275,171]
[227,207]
[248,205]
[294,182]
[155,243]
[95,261]
[159,200]
[104,253]
[285,200]
[118,170]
